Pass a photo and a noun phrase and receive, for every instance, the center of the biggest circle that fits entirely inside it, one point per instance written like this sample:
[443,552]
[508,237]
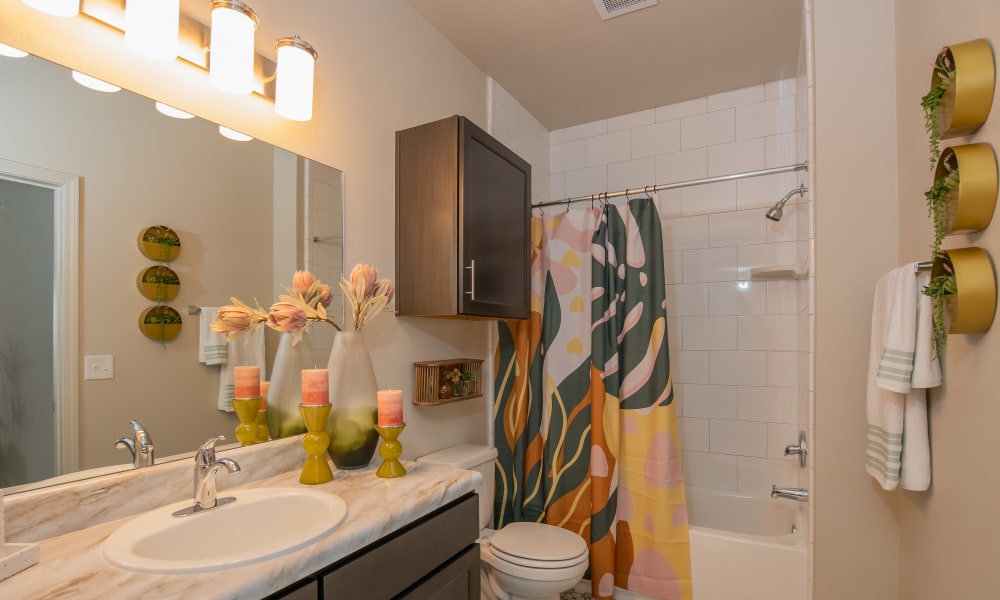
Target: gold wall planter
[966,105]
[160,323]
[158,283]
[159,242]
[971,309]
[971,205]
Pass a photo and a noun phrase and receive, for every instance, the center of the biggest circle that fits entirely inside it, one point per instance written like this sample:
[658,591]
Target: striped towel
[212,347]
[890,370]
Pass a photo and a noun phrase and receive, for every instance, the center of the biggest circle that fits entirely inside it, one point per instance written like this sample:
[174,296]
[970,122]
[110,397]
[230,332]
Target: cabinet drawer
[389,568]
[458,580]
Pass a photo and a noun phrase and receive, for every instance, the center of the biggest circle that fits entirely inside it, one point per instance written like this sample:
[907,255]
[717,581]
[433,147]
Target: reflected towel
[212,347]
[246,350]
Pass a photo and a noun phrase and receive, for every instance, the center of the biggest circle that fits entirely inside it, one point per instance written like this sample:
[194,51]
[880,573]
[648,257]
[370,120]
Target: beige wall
[949,536]
[381,68]
[856,535]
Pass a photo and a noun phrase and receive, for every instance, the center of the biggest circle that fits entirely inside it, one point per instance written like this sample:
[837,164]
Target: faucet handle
[128,444]
[206,453]
[800,449]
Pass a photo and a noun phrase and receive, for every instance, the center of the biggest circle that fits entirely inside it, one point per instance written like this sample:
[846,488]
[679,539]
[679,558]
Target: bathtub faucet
[790,493]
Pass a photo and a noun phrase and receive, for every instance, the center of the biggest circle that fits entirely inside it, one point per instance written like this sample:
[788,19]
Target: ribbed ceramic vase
[353,395]
[285,393]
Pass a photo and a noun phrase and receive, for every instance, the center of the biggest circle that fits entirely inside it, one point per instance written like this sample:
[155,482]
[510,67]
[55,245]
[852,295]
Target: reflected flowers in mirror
[305,304]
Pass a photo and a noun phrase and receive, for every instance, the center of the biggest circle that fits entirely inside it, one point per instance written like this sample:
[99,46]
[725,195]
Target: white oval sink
[259,524]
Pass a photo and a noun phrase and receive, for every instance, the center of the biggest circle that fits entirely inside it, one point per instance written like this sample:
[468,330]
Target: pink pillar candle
[390,408]
[315,387]
[247,384]
[264,387]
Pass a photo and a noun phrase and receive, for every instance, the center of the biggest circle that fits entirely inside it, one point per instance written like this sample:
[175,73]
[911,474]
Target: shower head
[774,213]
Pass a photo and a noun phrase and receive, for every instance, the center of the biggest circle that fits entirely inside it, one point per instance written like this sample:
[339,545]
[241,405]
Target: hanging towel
[897,409]
[915,470]
[245,350]
[212,347]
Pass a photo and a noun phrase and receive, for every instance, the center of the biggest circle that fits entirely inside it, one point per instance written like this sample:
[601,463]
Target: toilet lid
[538,545]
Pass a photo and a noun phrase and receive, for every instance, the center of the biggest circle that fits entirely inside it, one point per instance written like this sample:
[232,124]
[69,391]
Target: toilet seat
[538,546]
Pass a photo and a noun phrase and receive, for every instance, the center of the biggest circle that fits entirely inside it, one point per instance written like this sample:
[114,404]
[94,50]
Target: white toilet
[522,561]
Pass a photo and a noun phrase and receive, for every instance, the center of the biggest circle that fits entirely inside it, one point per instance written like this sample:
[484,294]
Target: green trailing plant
[937,199]
[155,318]
[161,278]
[944,74]
[938,289]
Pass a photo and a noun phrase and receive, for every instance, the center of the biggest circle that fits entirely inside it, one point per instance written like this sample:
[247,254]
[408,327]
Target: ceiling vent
[616,8]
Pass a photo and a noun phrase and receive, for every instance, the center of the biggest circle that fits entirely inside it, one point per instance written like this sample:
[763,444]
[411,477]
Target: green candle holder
[389,450]
[246,410]
[263,432]
[316,469]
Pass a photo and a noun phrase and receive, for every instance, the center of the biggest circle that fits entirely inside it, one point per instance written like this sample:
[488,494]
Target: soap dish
[15,558]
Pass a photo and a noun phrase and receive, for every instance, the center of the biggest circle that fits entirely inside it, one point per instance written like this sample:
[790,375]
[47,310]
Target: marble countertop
[72,565]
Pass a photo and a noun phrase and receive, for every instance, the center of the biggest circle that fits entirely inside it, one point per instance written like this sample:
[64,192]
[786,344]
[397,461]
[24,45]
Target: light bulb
[56,8]
[231,51]
[94,83]
[11,51]
[293,98]
[236,136]
[170,111]
[151,28]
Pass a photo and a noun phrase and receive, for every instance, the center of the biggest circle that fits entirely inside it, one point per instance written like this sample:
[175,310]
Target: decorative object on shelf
[315,410]
[263,432]
[159,283]
[964,195]
[305,304]
[390,451]
[963,281]
[353,389]
[441,381]
[161,323]
[159,243]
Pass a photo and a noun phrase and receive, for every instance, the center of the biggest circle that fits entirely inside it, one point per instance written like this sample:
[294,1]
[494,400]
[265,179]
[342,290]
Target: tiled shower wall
[739,348]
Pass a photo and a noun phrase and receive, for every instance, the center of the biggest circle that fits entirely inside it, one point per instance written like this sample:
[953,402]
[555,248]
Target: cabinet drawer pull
[472,280]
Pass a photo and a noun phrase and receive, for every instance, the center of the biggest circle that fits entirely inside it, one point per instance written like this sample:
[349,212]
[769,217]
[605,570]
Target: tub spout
[799,494]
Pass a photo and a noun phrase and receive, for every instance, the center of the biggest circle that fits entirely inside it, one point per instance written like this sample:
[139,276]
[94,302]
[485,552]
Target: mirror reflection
[245,216]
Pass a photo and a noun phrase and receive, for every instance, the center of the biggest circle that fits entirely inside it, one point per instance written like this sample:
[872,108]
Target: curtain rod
[670,186]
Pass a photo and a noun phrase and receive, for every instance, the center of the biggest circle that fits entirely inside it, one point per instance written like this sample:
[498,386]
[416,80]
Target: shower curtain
[586,432]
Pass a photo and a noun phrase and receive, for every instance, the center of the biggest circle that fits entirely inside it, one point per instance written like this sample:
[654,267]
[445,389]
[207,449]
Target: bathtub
[747,546]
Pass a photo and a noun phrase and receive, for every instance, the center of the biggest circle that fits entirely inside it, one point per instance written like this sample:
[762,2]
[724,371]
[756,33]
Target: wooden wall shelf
[433,385]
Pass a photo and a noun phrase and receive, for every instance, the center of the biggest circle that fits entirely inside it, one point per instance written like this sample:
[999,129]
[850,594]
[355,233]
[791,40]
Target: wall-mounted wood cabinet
[462,223]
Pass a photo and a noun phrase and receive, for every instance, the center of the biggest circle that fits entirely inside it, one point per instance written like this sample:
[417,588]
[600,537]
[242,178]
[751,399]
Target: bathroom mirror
[245,216]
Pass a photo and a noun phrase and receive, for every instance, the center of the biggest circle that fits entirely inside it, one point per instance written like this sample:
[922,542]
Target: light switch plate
[98,367]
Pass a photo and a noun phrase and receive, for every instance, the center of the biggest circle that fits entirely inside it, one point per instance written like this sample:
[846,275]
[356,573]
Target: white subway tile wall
[740,350]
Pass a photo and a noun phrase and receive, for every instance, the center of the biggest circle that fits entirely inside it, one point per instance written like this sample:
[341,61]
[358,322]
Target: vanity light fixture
[151,28]
[293,96]
[11,52]
[234,135]
[170,111]
[231,50]
[56,8]
[94,83]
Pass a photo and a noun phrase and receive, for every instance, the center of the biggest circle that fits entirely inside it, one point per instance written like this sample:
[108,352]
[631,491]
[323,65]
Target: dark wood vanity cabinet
[463,203]
[433,558]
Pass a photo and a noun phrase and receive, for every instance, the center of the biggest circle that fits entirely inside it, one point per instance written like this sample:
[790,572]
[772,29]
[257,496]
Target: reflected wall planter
[160,323]
[158,283]
[972,308]
[159,242]
[971,205]
[966,105]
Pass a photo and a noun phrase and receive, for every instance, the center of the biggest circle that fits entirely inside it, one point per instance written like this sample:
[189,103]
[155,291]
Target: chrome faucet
[790,493]
[206,466]
[140,445]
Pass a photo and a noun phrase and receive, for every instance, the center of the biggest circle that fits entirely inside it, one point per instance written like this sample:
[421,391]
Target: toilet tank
[471,457]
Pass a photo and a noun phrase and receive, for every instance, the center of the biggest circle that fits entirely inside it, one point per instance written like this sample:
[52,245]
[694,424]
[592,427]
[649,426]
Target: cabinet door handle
[472,280]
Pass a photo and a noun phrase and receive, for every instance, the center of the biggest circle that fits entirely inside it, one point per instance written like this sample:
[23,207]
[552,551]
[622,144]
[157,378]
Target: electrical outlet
[98,367]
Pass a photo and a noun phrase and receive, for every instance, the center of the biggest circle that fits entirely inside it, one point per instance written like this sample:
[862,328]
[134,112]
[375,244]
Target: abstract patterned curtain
[585,429]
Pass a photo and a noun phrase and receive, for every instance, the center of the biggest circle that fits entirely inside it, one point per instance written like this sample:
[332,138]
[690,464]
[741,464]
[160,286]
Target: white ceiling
[567,66]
